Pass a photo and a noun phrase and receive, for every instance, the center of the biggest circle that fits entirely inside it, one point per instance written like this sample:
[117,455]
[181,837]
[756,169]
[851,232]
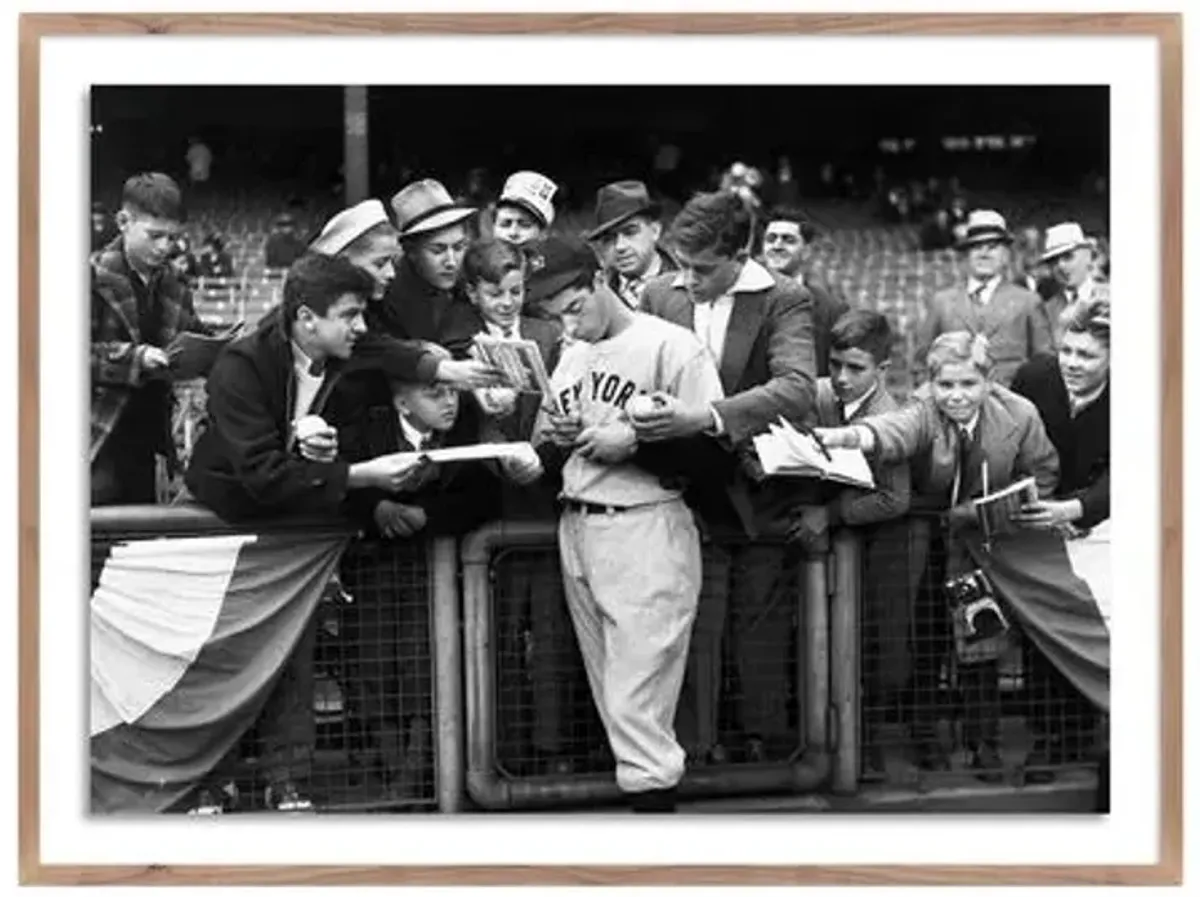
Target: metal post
[447,697]
[814,682]
[847,564]
[355,161]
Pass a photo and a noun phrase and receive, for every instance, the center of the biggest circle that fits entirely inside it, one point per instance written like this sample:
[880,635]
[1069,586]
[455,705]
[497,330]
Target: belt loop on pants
[590,507]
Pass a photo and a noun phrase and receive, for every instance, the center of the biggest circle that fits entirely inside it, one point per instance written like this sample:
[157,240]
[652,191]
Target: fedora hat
[532,192]
[616,203]
[425,206]
[985,226]
[1064,238]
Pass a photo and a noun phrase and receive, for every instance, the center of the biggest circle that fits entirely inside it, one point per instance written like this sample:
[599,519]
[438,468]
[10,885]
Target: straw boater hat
[985,226]
[1064,238]
[348,225]
[532,192]
[618,202]
[425,206]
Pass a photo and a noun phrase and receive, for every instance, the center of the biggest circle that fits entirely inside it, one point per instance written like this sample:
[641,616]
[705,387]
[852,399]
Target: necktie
[977,294]
[841,410]
[966,479]
[508,332]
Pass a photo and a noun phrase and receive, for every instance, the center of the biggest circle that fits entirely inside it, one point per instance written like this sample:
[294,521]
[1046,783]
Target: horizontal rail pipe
[492,790]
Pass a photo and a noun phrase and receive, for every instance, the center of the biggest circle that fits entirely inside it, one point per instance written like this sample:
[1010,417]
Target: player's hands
[668,418]
[610,443]
[1049,515]
[497,401]
[524,467]
[564,429]
[469,373]
[154,359]
[397,521]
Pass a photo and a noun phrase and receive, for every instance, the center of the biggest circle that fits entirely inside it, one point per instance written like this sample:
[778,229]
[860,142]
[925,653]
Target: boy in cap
[628,543]
[1008,316]
[525,209]
[627,231]
[363,235]
[386,629]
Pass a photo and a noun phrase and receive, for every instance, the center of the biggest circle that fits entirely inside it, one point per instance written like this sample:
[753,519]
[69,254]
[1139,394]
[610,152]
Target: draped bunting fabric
[188,635]
[1058,612]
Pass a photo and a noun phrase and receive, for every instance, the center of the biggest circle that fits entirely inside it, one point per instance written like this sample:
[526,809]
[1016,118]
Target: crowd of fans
[370,354]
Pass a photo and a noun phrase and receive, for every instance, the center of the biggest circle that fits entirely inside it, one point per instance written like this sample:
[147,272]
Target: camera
[980,626]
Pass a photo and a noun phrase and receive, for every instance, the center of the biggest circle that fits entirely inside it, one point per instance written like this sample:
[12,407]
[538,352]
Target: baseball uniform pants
[632,581]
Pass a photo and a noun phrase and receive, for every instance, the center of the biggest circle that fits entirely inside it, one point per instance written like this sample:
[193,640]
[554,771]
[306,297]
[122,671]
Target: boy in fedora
[627,231]
[424,301]
[1007,315]
[1070,253]
[525,209]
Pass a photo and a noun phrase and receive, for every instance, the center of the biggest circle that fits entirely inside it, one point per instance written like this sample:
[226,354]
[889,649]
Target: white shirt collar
[989,287]
[412,435]
[496,330]
[303,363]
[851,408]
[970,425]
[753,279]
[652,271]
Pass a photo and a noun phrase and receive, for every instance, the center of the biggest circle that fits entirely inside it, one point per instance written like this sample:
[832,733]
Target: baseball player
[628,543]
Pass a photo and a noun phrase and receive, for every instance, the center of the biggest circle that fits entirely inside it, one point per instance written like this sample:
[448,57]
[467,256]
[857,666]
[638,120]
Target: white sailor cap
[348,225]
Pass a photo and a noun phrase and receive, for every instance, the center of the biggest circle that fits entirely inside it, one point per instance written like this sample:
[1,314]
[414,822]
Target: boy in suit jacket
[1008,316]
[860,349]
[387,630]
[758,327]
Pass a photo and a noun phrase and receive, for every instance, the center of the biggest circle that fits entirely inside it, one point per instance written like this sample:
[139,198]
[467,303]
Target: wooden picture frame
[1166,29]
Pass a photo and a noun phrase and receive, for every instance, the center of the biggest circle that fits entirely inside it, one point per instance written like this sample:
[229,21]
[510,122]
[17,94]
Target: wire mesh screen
[349,725]
[739,702]
[927,715]
[373,689]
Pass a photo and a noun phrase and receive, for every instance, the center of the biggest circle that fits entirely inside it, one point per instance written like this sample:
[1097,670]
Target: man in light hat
[1070,253]
[525,209]
[627,230]
[1009,316]
[425,300]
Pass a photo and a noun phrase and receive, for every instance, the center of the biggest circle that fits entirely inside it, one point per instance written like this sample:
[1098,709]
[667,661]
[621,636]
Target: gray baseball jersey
[597,380]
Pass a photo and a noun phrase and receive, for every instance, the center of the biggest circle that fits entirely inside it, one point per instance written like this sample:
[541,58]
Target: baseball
[310,425]
[642,405]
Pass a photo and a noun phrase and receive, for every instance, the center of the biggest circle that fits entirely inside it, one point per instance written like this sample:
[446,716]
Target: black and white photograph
[626,614]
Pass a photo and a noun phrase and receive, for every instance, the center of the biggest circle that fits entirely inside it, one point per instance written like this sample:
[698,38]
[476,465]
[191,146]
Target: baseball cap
[554,263]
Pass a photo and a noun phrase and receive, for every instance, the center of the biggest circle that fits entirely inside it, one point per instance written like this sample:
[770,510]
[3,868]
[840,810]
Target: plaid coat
[117,347]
